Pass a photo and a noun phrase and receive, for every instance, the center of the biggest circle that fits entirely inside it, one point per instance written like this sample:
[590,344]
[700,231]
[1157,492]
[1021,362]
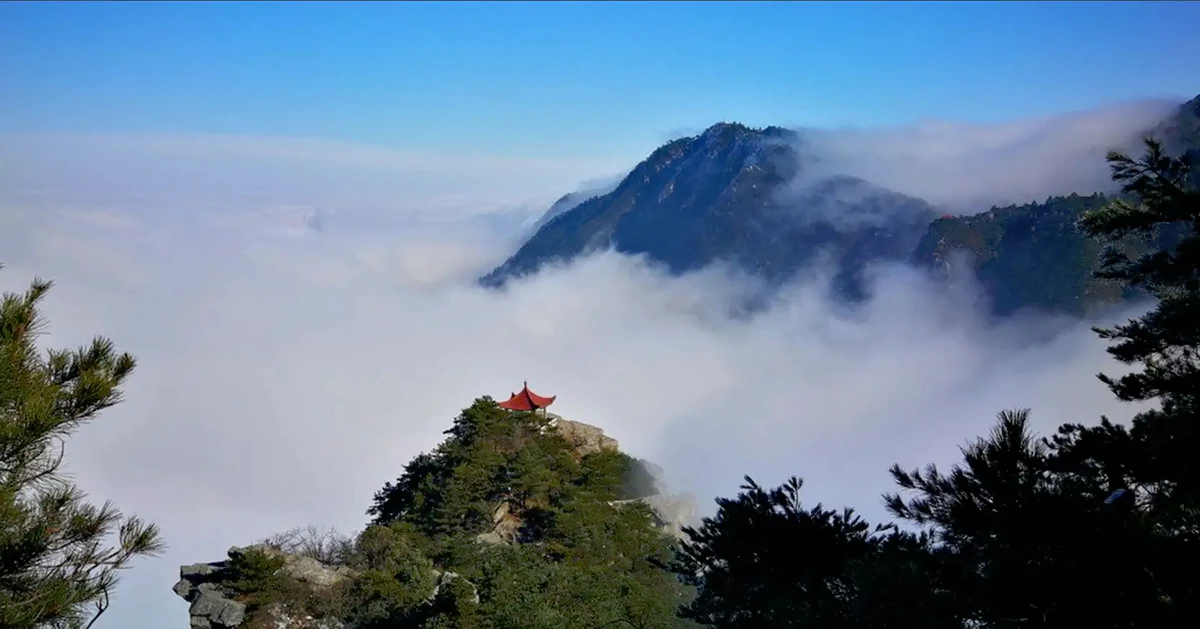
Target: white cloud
[286,373]
[968,167]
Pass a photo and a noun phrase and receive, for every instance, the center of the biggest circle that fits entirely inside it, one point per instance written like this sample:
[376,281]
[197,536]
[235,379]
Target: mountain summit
[732,194]
[752,198]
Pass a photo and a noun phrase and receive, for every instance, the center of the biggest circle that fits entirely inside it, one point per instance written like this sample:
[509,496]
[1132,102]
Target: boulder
[671,513]
[505,526]
[584,438]
[212,603]
[303,569]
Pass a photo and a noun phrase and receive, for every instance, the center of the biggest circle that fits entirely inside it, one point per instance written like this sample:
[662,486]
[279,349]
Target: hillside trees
[57,568]
[766,561]
[1096,526]
[538,534]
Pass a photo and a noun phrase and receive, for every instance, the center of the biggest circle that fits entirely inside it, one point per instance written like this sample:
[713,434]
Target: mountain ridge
[743,195]
[720,196]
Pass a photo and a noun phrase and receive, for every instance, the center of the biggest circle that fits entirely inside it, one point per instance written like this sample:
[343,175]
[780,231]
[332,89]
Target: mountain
[1034,256]
[571,200]
[730,194]
[1025,256]
[1181,133]
[516,519]
[745,196]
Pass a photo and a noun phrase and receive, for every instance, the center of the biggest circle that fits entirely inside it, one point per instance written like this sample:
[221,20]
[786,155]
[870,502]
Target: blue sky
[564,79]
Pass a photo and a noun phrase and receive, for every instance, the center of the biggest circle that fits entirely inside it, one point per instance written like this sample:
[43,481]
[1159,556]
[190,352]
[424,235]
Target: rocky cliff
[215,601]
[401,572]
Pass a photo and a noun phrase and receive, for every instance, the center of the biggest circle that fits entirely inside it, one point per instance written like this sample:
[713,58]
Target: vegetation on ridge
[524,520]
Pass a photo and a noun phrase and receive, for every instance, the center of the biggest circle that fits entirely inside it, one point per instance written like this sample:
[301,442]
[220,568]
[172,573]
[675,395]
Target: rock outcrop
[585,438]
[505,526]
[213,604]
[671,513]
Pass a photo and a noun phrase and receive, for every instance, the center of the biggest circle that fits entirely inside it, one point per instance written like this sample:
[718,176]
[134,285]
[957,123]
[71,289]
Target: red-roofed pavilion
[527,401]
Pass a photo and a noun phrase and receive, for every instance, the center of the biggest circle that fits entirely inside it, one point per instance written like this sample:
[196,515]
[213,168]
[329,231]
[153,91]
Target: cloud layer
[297,349]
[969,167]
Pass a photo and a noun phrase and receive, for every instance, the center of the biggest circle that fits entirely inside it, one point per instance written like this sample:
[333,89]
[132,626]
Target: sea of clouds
[305,320]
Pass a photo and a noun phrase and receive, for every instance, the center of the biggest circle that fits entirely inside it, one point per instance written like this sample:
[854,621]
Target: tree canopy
[57,568]
[504,525]
[1095,525]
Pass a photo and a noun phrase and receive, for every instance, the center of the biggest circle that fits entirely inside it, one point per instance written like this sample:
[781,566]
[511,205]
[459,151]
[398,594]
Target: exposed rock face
[505,526]
[586,438]
[213,605]
[281,618]
[671,513]
[444,579]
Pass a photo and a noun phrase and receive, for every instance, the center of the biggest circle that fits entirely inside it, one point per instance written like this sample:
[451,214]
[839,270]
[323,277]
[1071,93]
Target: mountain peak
[736,130]
[724,195]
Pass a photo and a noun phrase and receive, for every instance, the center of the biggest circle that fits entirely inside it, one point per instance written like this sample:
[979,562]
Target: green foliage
[396,576]
[1035,542]
[56,567]
[257,578]
[1032,255]
[765,561]
[490,456]
[584,556]
[1096,526]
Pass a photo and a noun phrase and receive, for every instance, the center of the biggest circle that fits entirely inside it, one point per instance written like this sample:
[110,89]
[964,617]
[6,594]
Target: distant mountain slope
[572,200]
[1033,255]
[733,194]
[1181,134]
[723,196]
[1025,256]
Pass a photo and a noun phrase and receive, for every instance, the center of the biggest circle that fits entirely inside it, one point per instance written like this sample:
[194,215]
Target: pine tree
[57,568]
[764,560]
[1165,341]
[1160,445]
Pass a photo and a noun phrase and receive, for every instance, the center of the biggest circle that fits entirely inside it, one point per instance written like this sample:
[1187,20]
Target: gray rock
[184,589]
[218,611]
[198,570]
[505,526]
[446,578]
[584,438]
[671,513]
[213,608]
[280,617]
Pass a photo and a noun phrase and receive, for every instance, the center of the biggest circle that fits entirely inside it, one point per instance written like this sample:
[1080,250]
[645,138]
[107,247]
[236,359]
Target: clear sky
[552,79]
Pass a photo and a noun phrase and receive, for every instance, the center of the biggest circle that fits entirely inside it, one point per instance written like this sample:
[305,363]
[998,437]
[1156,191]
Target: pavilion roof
[527,400]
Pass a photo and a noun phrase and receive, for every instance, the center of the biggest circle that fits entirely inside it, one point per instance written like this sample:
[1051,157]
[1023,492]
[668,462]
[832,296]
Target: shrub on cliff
[327,546]
[56,565]
[396,577]
[572,555]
